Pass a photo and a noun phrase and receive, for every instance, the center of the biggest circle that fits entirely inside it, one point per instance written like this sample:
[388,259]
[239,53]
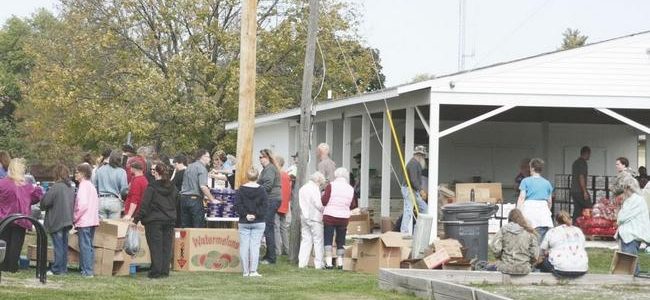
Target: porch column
[365,153]
[647,151]
[386,167]
[329,133]
[545,146]
[434,144]
[409,133]
[346,145]
[313,150]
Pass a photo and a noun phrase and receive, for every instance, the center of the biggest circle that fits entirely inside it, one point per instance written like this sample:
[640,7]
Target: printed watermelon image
[215,261]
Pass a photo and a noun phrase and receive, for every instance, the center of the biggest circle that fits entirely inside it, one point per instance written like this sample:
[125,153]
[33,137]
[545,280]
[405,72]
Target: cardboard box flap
[114,227]
[451,246]
[361,217]
[395,239]
[367,236]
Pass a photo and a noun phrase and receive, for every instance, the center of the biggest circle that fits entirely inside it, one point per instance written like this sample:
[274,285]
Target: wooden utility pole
[247,70]
[305,127]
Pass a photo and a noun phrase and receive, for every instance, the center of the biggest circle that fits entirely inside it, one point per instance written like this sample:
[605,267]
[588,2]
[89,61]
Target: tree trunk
[305,128]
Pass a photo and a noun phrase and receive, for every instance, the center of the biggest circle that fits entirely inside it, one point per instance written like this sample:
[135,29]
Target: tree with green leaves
[572,39]
[167,71]
[15,64]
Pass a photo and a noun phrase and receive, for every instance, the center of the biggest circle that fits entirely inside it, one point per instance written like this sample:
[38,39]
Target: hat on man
[295,155]
[420,150]
[357,156]
[128,148]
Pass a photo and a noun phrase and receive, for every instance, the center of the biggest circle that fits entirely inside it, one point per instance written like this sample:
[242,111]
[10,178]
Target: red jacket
[285,192]
[136,191]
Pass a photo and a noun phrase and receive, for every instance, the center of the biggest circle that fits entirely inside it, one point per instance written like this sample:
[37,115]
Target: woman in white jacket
[311,220]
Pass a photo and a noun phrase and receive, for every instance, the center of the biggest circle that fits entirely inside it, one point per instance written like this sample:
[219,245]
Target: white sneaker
[49,273]
[246,275]
[254,274]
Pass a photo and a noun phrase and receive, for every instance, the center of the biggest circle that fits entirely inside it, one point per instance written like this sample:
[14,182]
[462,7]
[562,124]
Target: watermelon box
[206,249]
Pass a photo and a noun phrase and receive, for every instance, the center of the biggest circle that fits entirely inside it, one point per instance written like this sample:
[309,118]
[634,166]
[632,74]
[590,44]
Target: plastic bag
[132,240]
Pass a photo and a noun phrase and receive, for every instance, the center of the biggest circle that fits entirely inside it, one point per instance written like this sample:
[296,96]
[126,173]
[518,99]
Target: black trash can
[468,223]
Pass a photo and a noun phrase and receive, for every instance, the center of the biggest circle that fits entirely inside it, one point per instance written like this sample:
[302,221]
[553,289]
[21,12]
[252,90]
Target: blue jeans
[250,239]
[110,208]
[192,212]
[60,243]
[631,248]
[407,217]
[328,233]
[86,251]
[547,267]
[269,231]
[541,233]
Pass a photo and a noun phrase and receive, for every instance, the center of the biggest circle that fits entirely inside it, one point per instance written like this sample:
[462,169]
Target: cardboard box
[206,249]
[104,262]
[623,263]
[457,264]
[379,251]
[451,246]
[412,264]
[349,264]
[359,224]
[483,192]
[110,234]
[73,256]
[436,259]
[386,224]
[105,239]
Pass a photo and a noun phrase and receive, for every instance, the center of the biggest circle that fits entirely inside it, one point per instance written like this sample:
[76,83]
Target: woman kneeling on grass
[251,205]
[633,222]
[158,215]
[515,245]
[564,249]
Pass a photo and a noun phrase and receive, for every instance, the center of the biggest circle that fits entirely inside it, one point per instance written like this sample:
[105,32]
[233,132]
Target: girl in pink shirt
[86,218]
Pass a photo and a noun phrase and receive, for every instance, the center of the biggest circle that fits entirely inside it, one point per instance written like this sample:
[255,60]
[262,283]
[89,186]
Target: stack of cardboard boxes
[371,252]
[110,258]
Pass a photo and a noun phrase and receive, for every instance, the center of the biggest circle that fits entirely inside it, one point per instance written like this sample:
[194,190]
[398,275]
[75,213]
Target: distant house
[482,122]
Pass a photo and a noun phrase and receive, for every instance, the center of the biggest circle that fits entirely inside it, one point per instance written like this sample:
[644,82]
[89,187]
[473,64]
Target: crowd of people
[530,241]
[142,187]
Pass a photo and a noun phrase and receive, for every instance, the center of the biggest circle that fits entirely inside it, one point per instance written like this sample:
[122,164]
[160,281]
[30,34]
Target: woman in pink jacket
[86,218]
[16,197]
[337,199]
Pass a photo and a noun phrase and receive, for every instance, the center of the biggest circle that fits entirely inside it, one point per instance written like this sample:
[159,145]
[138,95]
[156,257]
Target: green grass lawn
[285,281]
[282,281]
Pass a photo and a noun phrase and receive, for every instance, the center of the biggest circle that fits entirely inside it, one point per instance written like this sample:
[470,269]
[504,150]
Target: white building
[482,122]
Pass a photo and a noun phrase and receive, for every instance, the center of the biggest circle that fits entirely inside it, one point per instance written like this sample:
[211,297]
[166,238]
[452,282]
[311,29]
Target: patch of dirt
[29,283]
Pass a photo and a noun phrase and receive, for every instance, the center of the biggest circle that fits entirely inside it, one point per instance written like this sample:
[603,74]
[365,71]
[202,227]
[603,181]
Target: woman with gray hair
[111,183]
[338,199]
[311,221]
[633,219]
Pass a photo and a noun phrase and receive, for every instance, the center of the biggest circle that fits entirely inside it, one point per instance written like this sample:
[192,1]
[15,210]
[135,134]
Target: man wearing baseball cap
[414,171]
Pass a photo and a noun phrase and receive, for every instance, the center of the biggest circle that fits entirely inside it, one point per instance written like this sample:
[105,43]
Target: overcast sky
[421,36]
